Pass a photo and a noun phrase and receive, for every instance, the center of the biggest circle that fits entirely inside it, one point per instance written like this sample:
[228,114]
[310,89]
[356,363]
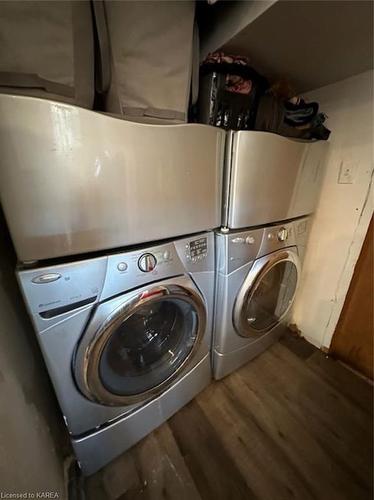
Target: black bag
[220,104]
[281,117]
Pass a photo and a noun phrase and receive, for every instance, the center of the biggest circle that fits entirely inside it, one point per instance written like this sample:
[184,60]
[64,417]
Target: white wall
[33,439]
[344,210]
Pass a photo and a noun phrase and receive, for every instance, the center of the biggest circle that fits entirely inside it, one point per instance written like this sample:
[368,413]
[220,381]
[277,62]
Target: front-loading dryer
[126,338]
[258,271]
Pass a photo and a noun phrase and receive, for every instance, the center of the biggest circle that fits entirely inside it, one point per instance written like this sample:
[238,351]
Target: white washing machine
[126,338]
[258,271]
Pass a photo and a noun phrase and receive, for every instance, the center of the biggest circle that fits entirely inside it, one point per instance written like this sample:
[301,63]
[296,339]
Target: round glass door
[144,345]
[269,298]
[148,346]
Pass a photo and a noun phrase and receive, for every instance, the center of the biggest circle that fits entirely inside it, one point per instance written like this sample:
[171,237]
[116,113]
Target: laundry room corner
[186,249]
[344,210]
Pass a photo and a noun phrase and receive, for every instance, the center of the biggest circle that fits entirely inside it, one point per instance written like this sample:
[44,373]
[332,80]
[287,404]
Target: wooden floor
[292,424]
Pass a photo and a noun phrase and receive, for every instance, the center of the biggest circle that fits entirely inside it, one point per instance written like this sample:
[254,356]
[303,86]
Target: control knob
[282,234]
[147,262]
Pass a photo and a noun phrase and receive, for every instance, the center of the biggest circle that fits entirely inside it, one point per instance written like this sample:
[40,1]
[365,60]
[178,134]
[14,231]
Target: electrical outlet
[347,172]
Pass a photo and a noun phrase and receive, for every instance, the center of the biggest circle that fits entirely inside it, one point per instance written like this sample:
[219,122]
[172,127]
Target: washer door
[142,346]
[267,293]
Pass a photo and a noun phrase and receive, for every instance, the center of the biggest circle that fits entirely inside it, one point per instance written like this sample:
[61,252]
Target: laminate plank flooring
[291,424]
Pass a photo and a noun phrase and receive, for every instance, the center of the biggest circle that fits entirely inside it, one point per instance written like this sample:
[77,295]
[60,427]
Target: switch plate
[347,172]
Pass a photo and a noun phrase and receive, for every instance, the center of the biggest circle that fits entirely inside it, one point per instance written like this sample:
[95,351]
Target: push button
[122,266]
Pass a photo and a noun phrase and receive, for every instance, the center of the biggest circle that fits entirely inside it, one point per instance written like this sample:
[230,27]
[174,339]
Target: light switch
[347,172]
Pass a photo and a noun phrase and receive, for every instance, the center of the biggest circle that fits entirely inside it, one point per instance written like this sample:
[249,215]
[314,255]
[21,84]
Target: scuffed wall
[344,210]
[33,439]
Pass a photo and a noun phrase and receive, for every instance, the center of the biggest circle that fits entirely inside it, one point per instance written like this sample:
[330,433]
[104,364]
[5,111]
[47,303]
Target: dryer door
[267,293]
[142,345]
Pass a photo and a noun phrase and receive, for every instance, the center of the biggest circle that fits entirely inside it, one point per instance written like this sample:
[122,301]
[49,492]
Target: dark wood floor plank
[94,488]
[116,479]
[215,474]
[329,405]
[162,470]
[291,424]
[347,461]
[357,390]
[291,432]
[258,457]
[300,450]
[298,345]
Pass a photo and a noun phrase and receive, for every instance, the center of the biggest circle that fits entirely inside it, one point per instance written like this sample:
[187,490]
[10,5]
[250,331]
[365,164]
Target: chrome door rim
[259,269]
[87,371]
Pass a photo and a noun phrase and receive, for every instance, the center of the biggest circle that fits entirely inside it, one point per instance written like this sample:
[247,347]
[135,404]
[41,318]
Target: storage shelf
[311,43]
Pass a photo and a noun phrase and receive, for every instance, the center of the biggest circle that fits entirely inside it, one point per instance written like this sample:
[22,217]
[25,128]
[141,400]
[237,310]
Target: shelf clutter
[133,60]
[139,61]
[235,96]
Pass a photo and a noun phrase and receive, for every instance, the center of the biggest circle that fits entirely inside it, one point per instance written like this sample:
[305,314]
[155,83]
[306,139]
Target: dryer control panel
[237,248]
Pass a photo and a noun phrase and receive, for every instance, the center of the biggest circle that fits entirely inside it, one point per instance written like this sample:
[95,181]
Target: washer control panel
[197,249]
[52,291]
